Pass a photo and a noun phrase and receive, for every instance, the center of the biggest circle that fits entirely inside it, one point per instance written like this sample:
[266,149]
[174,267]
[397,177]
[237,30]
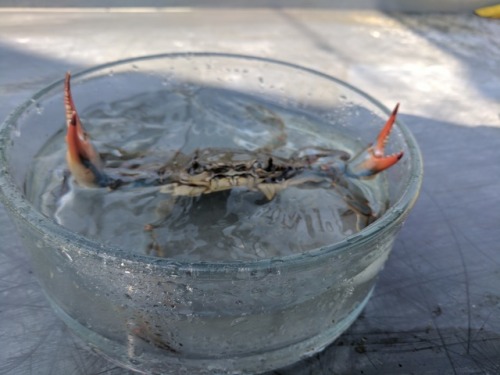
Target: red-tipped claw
[372,160]
[83,161]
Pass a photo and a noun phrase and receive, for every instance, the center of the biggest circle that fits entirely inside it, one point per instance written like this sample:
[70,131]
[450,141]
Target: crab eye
[270,165]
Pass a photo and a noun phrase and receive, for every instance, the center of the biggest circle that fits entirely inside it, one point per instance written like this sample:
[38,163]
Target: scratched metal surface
[436,309]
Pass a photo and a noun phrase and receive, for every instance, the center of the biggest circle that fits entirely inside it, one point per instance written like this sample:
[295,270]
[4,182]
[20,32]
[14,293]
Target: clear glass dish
[157,315]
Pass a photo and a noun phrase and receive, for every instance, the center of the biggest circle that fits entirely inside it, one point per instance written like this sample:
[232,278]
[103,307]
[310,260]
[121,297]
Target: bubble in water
[39,109]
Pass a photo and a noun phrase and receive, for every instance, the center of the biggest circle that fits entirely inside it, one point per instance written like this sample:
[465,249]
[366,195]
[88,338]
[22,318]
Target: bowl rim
[13,198]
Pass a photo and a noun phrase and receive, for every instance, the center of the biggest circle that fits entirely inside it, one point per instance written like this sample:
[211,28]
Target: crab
[210,170]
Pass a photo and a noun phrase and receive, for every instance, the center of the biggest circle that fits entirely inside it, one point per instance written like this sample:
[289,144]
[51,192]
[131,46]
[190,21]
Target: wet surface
[436,308]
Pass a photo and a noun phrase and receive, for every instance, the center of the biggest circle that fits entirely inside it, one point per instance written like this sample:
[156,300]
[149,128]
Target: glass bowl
[161,315]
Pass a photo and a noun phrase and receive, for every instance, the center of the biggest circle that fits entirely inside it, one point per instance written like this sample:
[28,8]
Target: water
[145,132]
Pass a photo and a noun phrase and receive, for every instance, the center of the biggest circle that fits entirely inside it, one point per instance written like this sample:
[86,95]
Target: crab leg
[83,161]
[372,159]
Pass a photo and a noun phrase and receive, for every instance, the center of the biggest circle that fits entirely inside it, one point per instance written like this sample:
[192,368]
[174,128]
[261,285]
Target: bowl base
[174,365]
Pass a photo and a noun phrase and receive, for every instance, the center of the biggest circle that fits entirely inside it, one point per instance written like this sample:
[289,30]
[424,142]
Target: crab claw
[372,159]
[83,161]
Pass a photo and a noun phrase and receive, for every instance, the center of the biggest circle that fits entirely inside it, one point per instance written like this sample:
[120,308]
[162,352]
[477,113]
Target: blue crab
[213,170]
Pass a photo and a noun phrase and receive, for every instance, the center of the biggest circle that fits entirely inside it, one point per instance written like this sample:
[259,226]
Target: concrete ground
[436,309]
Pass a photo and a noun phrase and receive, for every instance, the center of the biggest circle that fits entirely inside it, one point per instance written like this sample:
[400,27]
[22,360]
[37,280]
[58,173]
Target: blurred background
[436,309]
[382,5]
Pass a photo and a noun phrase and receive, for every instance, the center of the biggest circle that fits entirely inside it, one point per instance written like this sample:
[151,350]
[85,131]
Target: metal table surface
[436,308]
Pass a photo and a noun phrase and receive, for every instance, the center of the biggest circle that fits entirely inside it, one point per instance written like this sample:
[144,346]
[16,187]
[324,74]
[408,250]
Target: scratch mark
[464,266]
[433,317]
[473,338]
